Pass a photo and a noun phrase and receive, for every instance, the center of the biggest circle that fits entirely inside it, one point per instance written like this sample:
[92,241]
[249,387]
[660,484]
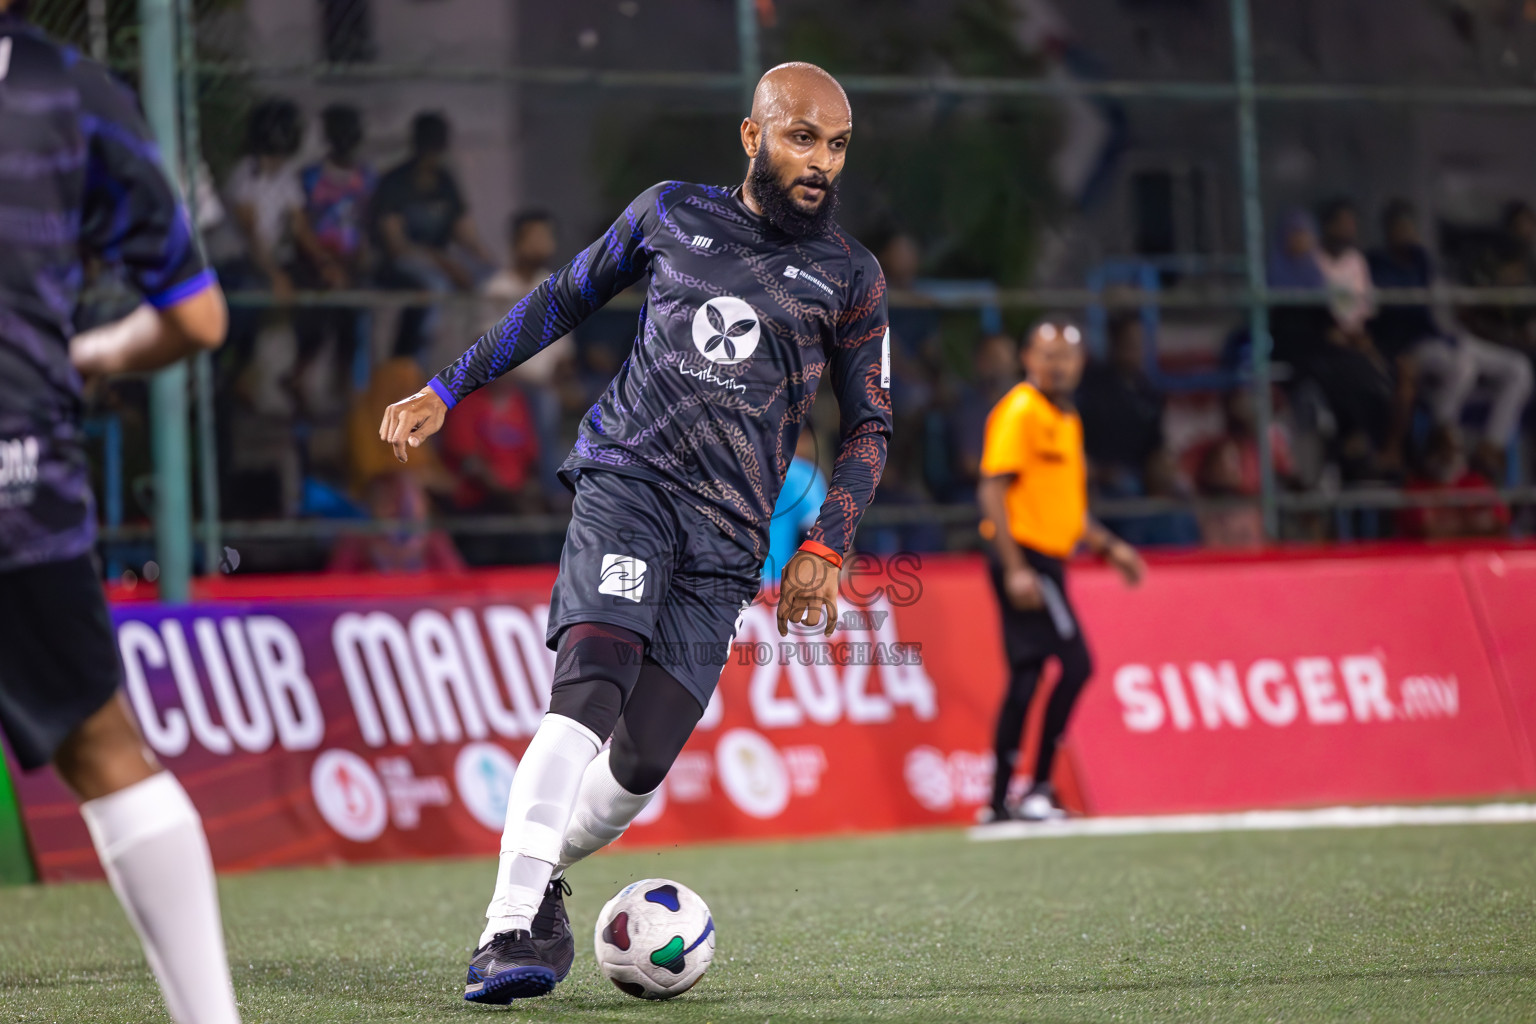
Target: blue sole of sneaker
[513,983]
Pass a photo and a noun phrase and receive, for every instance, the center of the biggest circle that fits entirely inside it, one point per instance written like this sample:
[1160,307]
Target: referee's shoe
[506,968]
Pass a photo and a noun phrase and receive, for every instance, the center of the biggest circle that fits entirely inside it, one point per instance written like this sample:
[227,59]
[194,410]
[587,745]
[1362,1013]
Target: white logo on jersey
[18,462]
[703,241]
[725,330]
[796,274]
[713,378]
[885,360]
[622,576]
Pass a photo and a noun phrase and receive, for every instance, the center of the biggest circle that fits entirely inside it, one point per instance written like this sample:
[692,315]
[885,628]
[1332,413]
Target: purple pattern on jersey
[80,173]
[717,424]
[42,165]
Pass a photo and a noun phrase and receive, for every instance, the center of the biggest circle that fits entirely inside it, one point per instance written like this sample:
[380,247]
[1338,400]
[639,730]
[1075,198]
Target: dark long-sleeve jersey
[79,175]
[739,323]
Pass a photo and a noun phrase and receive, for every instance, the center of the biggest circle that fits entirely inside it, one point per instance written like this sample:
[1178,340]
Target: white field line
[1260,821]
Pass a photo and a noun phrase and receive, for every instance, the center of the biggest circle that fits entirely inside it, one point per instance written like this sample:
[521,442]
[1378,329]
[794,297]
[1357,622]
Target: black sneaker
[552,929]
[506,968]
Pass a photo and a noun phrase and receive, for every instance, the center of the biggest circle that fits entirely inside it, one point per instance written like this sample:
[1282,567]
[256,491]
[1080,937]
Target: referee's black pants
[1030,638]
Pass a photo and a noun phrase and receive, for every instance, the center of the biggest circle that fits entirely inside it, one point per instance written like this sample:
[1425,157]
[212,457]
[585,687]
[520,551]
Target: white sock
[544,790]
[603,811]
[150,840]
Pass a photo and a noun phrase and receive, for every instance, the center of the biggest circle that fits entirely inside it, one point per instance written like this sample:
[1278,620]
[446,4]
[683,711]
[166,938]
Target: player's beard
[779,207]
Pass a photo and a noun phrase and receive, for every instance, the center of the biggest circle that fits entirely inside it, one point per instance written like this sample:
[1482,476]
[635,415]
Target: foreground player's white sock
[544,790]
[603,811]
[151,843]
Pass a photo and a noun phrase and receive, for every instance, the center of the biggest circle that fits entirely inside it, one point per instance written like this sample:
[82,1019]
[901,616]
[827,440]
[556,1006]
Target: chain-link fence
[1153,168]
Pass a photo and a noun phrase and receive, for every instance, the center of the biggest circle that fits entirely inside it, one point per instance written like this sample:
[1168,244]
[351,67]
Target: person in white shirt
[265,194]
[1352,300]
[1351,295]
[266,204]
[1453,365]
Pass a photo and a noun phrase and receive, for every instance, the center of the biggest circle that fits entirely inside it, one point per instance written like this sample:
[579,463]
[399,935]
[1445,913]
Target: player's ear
[751,136]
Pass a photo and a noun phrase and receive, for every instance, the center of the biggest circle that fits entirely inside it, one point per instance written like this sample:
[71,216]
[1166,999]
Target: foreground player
[79,174]
[752,294]
[1034,483]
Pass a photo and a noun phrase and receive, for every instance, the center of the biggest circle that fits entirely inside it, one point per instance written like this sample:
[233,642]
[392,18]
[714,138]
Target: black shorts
[58,655]
[1032,636]
[638,556]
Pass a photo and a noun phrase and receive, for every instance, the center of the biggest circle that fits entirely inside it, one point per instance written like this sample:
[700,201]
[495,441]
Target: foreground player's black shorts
[58,658]
[637,556]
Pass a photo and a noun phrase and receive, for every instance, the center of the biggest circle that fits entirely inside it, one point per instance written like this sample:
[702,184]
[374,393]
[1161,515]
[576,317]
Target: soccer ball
[655,939]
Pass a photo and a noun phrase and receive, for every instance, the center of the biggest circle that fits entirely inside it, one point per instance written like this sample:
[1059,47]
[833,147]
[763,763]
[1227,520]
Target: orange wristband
[818,548]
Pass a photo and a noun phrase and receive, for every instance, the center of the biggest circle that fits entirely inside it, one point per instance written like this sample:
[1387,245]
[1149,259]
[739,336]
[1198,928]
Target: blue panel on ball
[666,896]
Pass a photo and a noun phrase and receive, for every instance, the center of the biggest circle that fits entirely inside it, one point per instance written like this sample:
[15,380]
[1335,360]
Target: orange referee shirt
[1041,446]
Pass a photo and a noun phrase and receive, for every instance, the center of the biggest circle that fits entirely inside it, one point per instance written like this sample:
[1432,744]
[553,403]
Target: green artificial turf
[1408,924]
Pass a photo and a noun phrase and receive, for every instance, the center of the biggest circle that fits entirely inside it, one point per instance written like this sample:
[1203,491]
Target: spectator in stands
[914,329]
[333,251]
[531,241]
[1345,366]
[491,445]
[422,228]
[264,196]
[1510,264]
[1352,299]
[1346,272]
[913,531]
[1228,466]
[1122,412]
[915,359]
[1453,364]
[408,546]
[1518,247]
[1443,470]
[965,416]
[1174,527]
[798,505]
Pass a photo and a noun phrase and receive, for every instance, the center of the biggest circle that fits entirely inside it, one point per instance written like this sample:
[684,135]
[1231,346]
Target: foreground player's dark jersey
[79,174]
[740,320]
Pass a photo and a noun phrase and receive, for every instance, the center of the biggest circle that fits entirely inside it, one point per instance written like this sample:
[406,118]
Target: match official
[1034,482]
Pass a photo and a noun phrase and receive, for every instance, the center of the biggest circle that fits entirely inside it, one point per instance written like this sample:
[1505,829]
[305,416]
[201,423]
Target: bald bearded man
[752,293]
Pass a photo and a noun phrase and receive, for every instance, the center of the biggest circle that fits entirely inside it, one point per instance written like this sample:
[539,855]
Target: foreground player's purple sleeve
[860,364]
[570,295]
[131,213]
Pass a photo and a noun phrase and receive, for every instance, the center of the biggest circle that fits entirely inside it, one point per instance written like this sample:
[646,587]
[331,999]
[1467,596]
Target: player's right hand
[411,421]
[808,593]
[1023,588]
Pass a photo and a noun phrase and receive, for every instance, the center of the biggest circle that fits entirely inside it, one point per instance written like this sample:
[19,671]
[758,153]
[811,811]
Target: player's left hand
[409,422]
[1127,561]
[808,592]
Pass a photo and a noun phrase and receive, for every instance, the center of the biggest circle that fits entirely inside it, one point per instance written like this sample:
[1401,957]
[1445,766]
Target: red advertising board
[1502,585]
[389,725]
[1231,687]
